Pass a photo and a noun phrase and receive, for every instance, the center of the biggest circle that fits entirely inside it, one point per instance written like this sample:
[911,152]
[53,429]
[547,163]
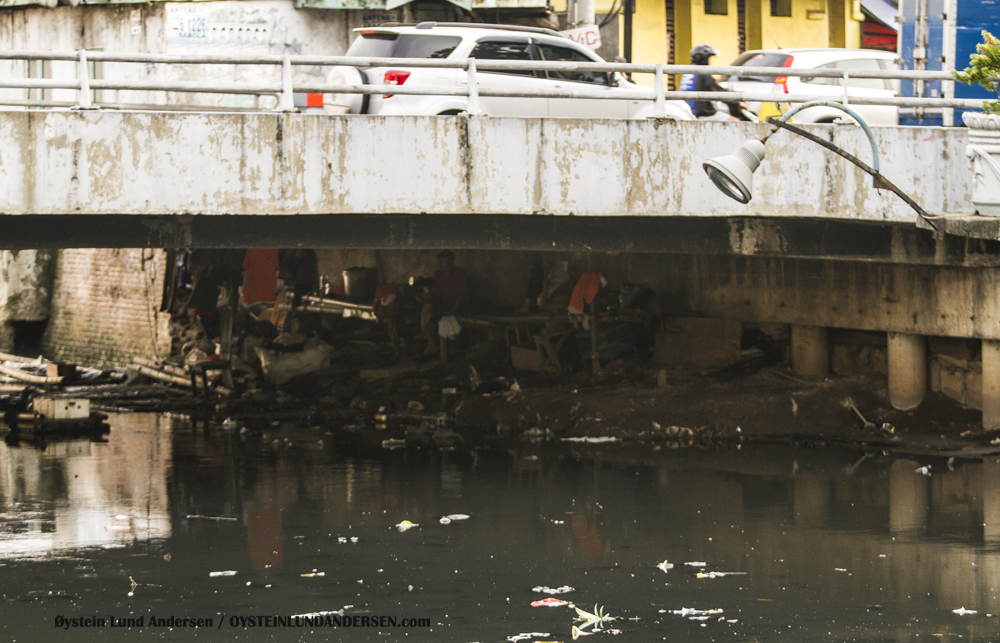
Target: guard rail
[285,89]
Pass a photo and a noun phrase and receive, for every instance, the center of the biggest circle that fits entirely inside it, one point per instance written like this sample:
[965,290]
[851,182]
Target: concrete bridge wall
[267,164]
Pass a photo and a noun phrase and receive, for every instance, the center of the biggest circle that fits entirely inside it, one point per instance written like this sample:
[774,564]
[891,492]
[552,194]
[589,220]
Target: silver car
[830,88]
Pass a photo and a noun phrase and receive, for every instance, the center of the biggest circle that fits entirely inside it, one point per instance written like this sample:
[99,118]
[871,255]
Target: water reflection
[62,495]
[833,544]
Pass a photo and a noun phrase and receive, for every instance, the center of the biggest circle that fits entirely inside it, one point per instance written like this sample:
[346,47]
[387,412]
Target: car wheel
[345,103]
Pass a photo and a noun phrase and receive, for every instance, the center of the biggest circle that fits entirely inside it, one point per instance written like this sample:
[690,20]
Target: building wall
[846,21]
[249,27]
[695,27]
[105,306]
[798,30]
[650,40]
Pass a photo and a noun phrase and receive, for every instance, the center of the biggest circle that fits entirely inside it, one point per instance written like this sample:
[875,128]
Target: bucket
[360,284]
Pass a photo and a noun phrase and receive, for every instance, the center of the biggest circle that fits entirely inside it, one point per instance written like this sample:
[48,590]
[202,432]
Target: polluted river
[167,530]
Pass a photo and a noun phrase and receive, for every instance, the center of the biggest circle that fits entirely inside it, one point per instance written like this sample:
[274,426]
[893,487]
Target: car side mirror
[612,79]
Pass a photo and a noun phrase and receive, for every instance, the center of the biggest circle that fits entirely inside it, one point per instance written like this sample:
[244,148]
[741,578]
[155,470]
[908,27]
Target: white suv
[460,41]
[831,88]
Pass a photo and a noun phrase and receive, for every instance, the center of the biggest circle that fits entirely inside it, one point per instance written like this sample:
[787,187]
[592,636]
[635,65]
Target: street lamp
[733,174]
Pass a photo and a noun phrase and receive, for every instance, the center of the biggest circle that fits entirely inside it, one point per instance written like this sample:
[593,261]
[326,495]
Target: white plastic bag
[449,327]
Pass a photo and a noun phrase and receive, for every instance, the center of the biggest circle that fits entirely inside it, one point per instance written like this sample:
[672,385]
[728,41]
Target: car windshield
[387,44]
[751,59]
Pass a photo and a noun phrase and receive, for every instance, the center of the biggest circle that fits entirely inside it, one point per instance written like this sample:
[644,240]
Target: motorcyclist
[704,110]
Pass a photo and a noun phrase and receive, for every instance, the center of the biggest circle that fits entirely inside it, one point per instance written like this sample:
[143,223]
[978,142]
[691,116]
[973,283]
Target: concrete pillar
[812,499]
[991,383]
[907,356]
[909,497]
[991,501]
[810,351]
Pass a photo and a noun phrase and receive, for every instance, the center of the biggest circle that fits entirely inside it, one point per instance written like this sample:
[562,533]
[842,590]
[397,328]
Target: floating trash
[197,517]
[597,617]
[961,611]
[665,566]
[393,443]
[592,440]
[527,636]
[341,540]
[718,574]
[697,564]
[924,470]
[406,524]
[226,573]
[118,528]
[565,589]
[313,574]
[445,520]
[688,612]
[550,602]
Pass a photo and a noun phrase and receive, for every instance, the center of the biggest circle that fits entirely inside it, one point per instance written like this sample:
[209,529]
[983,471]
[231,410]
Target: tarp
[883,11]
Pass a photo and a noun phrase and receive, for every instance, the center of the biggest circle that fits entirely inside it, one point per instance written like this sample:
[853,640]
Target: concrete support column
[991,383]
[810,351]
[907,357]
[812,499]
[909,497]
[991,501]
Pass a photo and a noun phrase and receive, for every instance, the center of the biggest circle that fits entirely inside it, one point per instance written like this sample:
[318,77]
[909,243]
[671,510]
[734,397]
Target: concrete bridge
[817,248]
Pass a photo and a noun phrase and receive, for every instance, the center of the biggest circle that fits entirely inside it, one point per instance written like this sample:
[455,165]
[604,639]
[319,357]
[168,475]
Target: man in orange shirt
[584,294]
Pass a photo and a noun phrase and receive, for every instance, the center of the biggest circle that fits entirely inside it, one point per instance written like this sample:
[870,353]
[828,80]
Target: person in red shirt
[449,296]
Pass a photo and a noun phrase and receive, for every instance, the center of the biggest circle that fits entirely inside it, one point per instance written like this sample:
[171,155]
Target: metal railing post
[847,78]
[287,102]
[83,72]
[659,103]
[473,107]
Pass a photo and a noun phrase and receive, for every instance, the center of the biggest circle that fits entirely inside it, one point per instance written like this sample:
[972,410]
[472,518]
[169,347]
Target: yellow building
[664,31]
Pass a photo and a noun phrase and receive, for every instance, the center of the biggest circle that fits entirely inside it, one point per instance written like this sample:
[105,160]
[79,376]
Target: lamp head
[733,174]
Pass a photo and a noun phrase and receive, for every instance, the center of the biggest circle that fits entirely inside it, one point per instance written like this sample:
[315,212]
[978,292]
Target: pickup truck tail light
[393,77]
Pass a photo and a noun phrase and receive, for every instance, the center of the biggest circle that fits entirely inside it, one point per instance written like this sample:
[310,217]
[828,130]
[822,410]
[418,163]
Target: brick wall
[105,306]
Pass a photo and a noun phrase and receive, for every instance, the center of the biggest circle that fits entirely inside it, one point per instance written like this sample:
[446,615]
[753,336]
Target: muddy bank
[369,391]
[638,403]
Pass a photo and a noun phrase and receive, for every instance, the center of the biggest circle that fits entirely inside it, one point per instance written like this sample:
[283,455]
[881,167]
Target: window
[503,50]
[781,8]
[388,44]
[565,54]
[817,80]
[717,7]
[760,60]
[866,64]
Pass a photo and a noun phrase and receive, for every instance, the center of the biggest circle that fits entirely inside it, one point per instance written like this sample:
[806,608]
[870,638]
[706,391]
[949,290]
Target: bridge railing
[284,90]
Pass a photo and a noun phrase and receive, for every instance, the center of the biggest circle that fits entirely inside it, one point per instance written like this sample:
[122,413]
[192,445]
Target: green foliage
[984,68]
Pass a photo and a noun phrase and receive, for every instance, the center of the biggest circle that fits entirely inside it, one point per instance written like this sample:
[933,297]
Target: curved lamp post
[733,174]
